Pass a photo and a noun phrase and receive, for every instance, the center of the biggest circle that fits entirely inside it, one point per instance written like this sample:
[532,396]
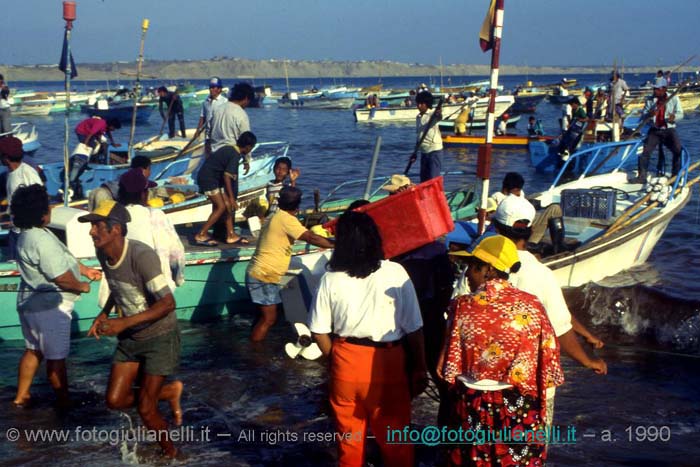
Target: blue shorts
[262,293]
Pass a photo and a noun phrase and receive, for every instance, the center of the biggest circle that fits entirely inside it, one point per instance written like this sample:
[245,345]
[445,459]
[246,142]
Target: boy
[284,176]
[431,146]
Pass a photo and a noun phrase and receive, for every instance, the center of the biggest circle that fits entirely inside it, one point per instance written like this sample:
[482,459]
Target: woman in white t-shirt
[366,318]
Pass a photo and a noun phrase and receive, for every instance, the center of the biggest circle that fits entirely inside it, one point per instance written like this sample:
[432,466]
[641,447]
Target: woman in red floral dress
[500,357]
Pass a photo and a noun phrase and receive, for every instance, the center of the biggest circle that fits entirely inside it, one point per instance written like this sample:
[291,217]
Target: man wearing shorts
[272,256]
[149,339]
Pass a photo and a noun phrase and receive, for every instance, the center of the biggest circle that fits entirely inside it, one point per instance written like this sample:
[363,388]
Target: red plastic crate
[410,219]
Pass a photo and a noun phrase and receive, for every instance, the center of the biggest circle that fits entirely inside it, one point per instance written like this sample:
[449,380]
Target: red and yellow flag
[486,33]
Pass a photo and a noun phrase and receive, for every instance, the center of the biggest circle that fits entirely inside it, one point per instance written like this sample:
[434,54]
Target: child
[534,127]
[218,180]
[284,176]
[431,145]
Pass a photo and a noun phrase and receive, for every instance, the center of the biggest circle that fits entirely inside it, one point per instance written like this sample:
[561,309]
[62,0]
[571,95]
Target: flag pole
[483,165]
[69,17]
[137,91]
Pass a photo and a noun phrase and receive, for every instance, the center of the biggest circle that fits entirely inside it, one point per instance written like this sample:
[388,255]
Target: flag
[64,59]
[486,33]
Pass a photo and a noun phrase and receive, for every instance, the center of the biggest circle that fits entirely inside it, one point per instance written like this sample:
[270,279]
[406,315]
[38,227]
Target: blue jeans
[430,165]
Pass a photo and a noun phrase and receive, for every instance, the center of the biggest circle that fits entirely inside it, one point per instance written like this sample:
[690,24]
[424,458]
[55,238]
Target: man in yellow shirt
[272,256]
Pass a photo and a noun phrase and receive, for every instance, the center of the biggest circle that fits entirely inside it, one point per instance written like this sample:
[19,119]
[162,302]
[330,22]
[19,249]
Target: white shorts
[48,331]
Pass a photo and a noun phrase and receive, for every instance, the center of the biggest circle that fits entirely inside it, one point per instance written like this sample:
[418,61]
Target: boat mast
[286,76]
[69,16]
[441,83]
[137,89]
[483,165]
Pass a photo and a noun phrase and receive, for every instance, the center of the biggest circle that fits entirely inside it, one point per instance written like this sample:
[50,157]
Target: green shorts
[158,355]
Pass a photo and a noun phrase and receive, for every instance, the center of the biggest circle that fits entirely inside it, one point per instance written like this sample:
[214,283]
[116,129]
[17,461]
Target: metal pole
[66,154]
[483,166]
[372,166]
[137,90]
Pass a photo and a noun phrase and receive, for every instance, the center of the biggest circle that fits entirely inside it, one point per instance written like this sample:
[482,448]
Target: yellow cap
[156,202]
[496,250]
[176,198]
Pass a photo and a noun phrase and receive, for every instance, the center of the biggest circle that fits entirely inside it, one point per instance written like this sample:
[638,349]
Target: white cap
[514,209]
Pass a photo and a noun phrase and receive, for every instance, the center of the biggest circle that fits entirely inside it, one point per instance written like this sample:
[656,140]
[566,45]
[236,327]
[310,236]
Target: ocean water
[250,405]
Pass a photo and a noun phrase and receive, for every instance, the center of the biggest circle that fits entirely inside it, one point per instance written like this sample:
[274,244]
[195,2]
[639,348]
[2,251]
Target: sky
[536,32]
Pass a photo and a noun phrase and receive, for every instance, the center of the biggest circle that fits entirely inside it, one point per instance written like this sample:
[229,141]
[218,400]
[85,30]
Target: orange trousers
[369,386]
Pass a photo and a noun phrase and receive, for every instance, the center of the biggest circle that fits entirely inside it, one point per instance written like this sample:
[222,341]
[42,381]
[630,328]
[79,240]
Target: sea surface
[248,404]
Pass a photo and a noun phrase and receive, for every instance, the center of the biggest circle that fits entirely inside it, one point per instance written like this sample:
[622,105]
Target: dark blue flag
[64,59]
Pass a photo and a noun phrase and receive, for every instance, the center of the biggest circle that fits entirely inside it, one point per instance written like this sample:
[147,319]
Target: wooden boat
[449,111]
[316,102]
[504,141]
[448,126]
[36,109]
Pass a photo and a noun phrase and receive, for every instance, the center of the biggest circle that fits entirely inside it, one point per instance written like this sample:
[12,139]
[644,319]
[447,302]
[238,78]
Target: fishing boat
[316,102]
[502,141]
[449,111]
[611,223]
[120,110]
[36,109]
[28,134]
[448,126]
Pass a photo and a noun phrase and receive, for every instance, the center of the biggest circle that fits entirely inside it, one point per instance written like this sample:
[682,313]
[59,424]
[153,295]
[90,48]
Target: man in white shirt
[214,101]
[20,173]
[431,144]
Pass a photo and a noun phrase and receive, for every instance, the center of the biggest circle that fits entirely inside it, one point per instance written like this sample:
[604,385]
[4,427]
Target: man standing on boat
[213,102]
[618,91]
[174,108]
[429,137]
[148,347]
[5,107]
[664,111]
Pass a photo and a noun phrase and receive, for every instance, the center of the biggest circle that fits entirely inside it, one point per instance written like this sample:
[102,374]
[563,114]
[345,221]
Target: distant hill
[260,69]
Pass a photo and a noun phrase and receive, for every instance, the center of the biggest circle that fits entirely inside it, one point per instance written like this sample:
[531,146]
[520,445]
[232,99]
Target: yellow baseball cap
[496,250]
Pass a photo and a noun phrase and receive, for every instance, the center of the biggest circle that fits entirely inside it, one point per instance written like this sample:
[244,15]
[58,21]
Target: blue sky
[536,32]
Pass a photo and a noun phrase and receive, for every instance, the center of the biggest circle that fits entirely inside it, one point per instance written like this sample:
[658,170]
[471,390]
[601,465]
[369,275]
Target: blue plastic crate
[589,204]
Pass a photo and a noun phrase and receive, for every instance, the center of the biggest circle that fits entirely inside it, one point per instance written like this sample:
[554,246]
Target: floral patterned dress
[503,334]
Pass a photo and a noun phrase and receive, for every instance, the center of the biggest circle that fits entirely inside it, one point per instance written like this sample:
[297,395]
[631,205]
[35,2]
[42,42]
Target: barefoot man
[149,339]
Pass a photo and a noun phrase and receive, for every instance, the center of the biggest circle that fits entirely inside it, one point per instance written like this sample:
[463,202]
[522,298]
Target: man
[664,112]
[173,104]
[228,123]
[512,219]
[431,144]
[90,133]
[271,258]
[551,217]
[213,102]
[574,131]
[5,107]
[109,190]
[148,347]
[503,125]
[20,173]
[618,92]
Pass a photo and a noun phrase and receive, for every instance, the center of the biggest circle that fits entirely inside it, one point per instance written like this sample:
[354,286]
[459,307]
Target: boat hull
[505,141]
[449,111]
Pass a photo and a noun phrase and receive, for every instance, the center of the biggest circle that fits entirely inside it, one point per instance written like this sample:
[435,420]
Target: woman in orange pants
[366,318]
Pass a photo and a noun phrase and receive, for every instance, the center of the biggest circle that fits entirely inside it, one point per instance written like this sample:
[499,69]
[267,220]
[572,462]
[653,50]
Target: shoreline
[311,69]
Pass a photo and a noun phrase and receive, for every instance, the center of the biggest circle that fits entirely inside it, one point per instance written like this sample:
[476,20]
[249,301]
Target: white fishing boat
[319,101]
[449,111]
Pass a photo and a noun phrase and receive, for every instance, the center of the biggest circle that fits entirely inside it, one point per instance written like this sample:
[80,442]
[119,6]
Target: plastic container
[589,204]
[409,219]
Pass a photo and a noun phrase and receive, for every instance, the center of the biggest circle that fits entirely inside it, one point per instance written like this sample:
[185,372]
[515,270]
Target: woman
[47,292]
[366,317]
[500,356]
[218,180]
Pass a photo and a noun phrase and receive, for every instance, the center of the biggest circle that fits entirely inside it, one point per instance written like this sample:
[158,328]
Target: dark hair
[425,97]
[126,198]
[29,204]
[141,162]
[289,198]
[358,245]
[247,138]
[162,89]
[111,223]
[114,123]
[513,180]
[478,263]
[356,204]
[241,91]
[282,160]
